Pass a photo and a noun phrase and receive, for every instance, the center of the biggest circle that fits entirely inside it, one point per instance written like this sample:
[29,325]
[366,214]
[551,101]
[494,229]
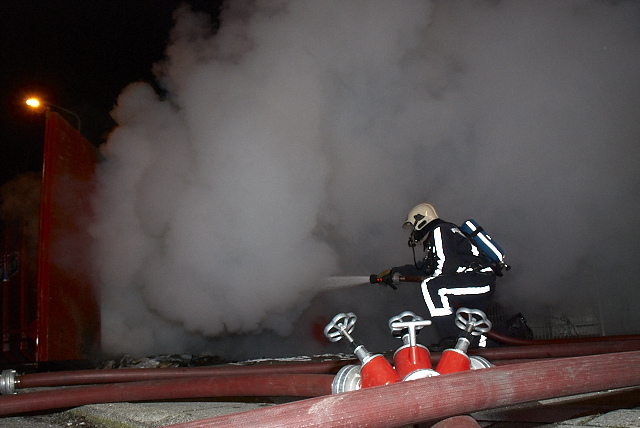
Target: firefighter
[456,274]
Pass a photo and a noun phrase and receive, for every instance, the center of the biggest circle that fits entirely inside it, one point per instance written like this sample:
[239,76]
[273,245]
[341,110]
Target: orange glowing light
[33,102]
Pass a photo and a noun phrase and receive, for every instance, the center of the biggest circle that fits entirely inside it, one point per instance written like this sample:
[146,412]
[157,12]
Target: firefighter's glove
[385,278]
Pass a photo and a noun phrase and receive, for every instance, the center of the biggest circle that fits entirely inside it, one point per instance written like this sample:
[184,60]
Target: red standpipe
[300,385]
[403,403]
[453,361]
[378,371]
[84,377]
[407,359]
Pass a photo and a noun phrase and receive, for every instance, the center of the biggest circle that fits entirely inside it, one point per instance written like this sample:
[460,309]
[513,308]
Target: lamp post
[35,103]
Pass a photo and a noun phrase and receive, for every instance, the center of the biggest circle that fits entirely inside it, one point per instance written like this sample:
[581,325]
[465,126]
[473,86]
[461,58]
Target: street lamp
[35,103]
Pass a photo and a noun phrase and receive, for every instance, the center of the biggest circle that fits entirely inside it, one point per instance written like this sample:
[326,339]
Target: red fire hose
[290,379]
[84,377]
[508,340]
[293,385]
[495,355]
[516,354]
[440,397]
[559,350]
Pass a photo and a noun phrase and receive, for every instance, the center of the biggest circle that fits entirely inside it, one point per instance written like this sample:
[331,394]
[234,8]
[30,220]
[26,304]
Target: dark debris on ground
[162,361]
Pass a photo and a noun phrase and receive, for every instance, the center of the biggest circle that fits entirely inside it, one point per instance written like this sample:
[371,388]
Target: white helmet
[418,218]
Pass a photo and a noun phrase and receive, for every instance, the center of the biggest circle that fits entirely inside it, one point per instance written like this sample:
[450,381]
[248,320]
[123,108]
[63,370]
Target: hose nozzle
[387,278]
[393,279]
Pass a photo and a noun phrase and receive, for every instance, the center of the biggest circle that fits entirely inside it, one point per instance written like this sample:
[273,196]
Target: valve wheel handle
[340,324]
[401,321]
[476,326]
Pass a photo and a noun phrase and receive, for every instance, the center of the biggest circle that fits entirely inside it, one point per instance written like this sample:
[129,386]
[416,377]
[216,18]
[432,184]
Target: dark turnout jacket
[457,274]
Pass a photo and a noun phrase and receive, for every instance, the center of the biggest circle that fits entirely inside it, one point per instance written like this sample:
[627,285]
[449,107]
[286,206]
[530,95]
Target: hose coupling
[8,382]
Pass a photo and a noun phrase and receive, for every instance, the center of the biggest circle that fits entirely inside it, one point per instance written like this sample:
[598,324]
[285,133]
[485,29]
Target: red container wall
[18,294]
[68,316]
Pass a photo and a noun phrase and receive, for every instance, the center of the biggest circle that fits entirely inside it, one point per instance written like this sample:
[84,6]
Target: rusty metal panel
[68,316]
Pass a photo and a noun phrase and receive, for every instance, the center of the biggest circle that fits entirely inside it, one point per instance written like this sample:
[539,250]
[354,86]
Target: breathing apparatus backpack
[488,247]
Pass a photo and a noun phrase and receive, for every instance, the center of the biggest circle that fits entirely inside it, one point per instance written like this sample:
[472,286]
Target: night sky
[78,55]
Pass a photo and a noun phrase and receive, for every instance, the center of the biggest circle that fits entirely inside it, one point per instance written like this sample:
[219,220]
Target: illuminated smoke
[289,146]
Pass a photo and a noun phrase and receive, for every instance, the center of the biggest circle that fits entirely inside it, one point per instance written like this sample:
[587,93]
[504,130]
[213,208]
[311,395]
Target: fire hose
[292,385]
[278,379]
[10,382]
[85,377]
[559,350]
[508,340]
[404,403]
[181,383]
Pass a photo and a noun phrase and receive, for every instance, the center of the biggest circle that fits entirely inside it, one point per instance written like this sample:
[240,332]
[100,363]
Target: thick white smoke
[290,145]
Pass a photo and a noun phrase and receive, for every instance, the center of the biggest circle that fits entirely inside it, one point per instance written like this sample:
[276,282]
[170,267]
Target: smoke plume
[289,145]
